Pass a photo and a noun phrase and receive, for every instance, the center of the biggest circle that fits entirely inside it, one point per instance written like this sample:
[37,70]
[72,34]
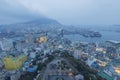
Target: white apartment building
[6,44]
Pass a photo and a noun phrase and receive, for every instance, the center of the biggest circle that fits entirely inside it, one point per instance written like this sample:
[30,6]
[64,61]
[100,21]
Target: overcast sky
[76,12]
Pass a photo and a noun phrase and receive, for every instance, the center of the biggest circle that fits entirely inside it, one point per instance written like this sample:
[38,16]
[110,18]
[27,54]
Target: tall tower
[62,33]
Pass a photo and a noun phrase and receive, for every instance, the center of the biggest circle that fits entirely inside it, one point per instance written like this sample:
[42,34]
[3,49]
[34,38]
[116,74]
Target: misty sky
[76,12]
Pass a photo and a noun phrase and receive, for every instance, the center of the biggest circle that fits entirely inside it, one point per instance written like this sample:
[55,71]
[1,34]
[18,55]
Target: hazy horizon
[67,12]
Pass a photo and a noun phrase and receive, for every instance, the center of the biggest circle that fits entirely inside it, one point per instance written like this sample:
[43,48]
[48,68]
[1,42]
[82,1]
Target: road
[51,73]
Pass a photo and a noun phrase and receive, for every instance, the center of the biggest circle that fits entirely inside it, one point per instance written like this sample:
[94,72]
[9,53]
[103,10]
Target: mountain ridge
[41,24]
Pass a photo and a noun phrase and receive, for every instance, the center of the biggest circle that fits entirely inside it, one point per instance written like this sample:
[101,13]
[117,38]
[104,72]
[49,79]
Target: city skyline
[59,40]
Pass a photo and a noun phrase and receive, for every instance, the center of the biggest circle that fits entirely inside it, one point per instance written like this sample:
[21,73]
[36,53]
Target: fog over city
[59,39]
[76,12]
